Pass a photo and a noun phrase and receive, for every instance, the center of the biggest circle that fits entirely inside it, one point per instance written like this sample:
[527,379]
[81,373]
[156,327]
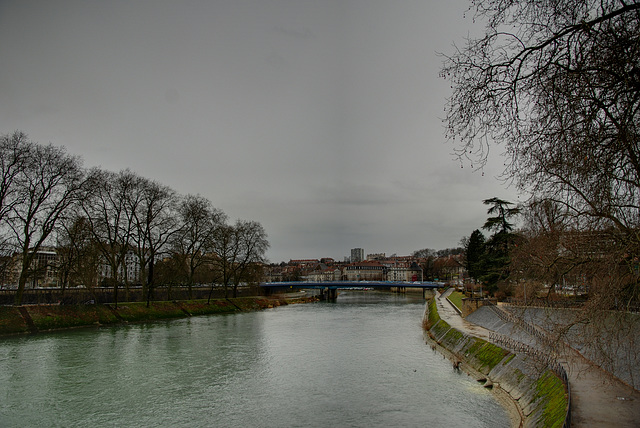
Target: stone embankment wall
[36,318]
[610,339]
[537,391]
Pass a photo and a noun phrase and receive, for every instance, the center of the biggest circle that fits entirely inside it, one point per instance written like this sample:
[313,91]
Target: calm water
[360,362]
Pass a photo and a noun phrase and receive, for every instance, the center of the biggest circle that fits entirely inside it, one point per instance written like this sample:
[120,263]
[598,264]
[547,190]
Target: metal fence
[546,356]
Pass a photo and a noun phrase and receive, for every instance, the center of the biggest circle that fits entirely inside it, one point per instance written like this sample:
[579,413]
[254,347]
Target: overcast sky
[320,119]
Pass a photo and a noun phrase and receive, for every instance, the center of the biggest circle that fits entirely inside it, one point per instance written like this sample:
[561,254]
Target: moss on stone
[490,355]
[434,317]
[453,336]
[550,389]
[509,358]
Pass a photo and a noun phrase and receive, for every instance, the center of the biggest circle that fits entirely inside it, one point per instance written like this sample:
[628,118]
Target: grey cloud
[318,119]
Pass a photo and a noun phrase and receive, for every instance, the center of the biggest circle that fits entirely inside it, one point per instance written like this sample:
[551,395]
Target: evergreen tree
[495,262]
[475,251]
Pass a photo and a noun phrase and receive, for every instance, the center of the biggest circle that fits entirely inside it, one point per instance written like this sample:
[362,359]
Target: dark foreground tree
[15,151]
[557,85]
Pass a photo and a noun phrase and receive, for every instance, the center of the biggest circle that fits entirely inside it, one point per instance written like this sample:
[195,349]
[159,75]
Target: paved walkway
[453,318]
[598,400]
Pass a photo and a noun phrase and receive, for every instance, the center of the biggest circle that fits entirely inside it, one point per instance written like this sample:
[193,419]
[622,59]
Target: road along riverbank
[539,395]
[37,318]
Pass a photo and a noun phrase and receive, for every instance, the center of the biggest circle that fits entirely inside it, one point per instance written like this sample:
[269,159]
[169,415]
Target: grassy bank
[36,318]
[539,393]
[456,299]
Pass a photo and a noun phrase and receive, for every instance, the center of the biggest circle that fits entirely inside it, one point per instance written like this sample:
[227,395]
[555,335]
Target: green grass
[46,317]
[11,321]
[491,355]
[486,354]
[134,312]
[51,317]
[433,313]
[201,307]
[456,299]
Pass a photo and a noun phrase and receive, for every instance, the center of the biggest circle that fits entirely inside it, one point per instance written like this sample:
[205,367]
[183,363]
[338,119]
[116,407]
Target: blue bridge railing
[353,284]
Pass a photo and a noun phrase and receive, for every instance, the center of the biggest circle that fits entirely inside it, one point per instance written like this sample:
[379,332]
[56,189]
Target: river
[359,362]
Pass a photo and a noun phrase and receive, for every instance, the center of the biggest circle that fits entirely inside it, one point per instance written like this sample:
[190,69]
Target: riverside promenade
[598,399]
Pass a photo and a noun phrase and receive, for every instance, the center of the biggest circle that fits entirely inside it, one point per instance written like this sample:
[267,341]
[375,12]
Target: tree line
[439,265]
[102,221]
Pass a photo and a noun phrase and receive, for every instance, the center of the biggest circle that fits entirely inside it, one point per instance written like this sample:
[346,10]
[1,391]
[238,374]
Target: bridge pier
[331,294]
[428,293]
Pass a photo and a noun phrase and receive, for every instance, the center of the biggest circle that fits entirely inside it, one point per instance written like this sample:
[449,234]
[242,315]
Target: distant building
[43,271]
[398,271]
[357,255]
[325,275]
[129,269]
[303,262]
[365,271]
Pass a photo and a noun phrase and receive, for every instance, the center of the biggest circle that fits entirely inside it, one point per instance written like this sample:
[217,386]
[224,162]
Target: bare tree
[427,257]
[15,151]
[78,257]
[109,202]
[237,250]
[155,224]
[48,183]
[199,221]
[557,84]
[582,269]
[424,253]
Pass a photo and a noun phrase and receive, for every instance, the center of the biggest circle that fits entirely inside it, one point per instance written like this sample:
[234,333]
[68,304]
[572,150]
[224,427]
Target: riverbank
[27,319]
[598,397]
[539,394]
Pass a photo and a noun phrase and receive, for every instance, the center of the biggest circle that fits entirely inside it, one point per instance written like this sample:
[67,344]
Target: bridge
[330,288]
